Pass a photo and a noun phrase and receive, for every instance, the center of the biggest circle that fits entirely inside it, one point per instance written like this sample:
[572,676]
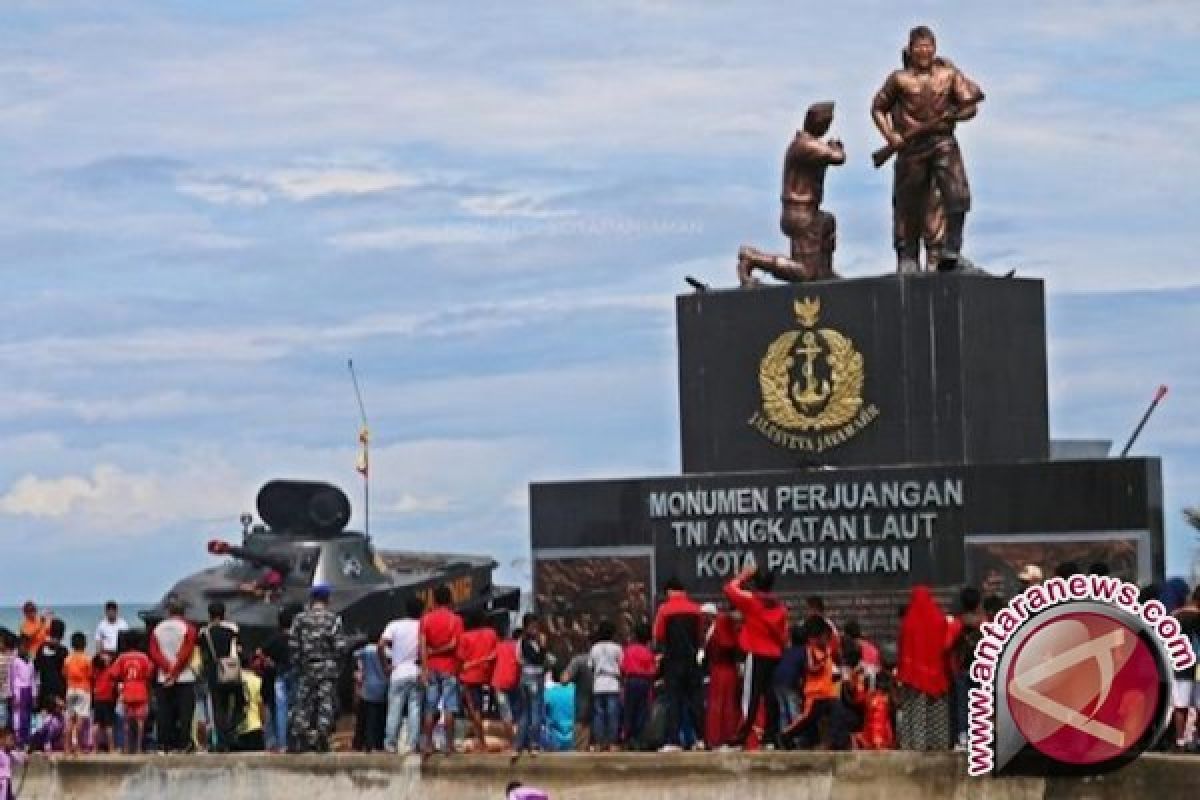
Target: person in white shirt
[400,646]
[605,660]
[110,628]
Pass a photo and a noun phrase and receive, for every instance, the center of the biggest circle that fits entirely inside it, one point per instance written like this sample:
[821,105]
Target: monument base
[859,537]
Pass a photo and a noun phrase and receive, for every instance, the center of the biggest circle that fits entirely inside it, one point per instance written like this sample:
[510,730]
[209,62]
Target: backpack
[229,668]
[963,649]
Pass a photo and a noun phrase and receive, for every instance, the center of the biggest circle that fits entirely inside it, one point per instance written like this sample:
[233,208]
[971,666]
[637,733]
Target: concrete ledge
[694,776]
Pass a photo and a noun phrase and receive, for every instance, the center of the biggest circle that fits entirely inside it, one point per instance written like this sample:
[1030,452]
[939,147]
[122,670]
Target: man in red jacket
[763,635]
[678,633]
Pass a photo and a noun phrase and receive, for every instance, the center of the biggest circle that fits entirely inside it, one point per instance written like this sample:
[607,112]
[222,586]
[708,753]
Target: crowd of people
[749,673]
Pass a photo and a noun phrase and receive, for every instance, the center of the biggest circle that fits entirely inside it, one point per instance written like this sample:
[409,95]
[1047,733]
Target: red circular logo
[1083,688]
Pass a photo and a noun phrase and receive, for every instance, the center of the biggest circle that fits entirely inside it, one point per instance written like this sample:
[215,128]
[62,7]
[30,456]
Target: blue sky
[209,206]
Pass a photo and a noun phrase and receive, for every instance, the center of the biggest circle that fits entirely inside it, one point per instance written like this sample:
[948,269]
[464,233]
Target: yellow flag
[361,463]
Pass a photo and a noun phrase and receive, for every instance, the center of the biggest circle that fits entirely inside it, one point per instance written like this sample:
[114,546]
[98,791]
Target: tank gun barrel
[278,563]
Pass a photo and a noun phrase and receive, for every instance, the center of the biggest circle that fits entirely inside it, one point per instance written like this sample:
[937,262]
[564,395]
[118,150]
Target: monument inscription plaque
[859,536]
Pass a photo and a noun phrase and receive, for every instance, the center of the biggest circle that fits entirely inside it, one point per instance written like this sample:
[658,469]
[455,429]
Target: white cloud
[213,241]
[56,497]
[466,479]
[402,237]
[1094,19]
[296,184]
[521,226]
[512,204]
[254,343]
[119,503]
[409,503]
[223,192]
[307,184]
[518,498]
[137,406]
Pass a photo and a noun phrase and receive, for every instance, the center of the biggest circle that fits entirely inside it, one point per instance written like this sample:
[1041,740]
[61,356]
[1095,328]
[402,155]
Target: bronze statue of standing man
[916,110]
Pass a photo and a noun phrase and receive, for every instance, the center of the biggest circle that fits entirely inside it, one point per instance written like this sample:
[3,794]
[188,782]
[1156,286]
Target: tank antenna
[362,465]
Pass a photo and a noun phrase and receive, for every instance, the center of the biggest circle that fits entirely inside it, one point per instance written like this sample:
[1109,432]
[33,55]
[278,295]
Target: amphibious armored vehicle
[302,542]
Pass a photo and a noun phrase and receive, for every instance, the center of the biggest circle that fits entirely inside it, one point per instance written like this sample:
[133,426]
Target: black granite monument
[856,437]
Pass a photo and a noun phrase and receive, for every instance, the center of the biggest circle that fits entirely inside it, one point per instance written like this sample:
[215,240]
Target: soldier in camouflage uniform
[316,644]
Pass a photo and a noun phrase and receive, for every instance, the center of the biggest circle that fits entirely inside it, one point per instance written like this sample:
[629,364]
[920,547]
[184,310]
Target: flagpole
[364,439]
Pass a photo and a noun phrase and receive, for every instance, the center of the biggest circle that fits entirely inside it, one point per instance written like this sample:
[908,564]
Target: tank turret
[302,508]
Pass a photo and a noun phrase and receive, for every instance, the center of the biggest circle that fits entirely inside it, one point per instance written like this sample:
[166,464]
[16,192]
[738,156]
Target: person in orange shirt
[77,670]
[820,690]
[34,626]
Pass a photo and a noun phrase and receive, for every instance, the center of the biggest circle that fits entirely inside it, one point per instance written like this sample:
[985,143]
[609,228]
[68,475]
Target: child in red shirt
[877,732]
[638,669]
[104,699]
[133,670]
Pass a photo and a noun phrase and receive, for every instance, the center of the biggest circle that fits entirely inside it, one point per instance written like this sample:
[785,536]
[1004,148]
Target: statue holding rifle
[916,110]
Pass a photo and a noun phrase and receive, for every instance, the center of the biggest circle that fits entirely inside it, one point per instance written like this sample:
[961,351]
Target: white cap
[1030,573]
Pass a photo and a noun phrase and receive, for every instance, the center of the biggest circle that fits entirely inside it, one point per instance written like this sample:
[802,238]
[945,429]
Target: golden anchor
[814,392]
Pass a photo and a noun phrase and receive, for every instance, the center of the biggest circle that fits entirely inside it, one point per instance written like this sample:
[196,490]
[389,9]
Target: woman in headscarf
[924,718]
[723,714]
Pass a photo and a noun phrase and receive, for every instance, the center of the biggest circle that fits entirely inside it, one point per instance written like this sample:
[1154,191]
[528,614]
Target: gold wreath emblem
[846,378]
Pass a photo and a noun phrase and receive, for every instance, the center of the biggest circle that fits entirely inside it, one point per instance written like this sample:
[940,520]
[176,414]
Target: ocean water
[83,618]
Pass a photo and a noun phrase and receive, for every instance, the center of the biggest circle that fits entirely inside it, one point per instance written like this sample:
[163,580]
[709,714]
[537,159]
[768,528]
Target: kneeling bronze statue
[812,231]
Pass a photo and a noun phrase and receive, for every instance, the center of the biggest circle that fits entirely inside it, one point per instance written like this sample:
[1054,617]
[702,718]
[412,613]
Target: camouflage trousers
[313,712]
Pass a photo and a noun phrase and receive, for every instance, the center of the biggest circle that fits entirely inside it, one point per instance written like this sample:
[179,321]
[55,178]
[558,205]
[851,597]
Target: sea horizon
[78,617]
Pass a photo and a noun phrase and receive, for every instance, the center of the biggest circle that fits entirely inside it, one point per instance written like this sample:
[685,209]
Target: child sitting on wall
[877,732]
[52,724]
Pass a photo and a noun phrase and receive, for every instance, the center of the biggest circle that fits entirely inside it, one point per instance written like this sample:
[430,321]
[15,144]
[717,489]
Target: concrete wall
[690,776]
